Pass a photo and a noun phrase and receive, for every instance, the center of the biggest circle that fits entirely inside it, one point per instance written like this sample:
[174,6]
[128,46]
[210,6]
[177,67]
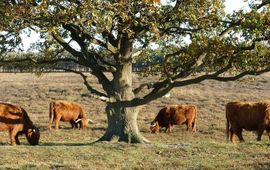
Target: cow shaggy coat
[249,116]
[175,115]
[67,111]
[16,121]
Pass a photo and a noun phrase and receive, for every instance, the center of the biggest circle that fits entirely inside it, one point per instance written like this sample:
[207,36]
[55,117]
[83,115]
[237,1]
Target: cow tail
[51,114]
[195,120]
[227,125]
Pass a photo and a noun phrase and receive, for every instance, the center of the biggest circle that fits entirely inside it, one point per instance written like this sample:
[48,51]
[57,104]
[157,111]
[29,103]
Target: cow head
[154,127]
[82,122]
[33,136]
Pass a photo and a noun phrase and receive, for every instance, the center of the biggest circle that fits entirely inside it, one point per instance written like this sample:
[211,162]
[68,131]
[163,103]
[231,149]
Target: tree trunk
[122,121]
[122,124]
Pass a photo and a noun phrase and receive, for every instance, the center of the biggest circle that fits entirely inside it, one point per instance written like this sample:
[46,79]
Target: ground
[74,149]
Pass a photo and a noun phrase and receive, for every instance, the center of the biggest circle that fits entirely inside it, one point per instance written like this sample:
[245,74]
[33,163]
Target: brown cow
[67,112]
[249,116]
[16,120]
[175,115]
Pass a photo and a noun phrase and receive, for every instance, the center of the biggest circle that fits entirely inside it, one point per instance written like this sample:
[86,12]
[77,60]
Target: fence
[70,66]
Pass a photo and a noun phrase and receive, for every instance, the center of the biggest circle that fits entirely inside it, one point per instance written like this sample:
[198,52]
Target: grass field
[74,149]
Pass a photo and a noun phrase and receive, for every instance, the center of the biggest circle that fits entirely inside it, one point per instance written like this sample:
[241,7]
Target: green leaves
[106,31]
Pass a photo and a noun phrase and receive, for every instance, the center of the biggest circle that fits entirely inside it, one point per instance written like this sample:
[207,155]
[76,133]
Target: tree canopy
[188,37]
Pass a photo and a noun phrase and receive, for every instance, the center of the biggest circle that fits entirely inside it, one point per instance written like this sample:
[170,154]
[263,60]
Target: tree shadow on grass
[67,144]
[98,129]
[45,128]
[4,144]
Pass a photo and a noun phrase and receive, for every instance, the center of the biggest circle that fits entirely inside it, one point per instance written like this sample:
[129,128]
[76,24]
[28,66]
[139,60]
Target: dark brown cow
[67,111]
[249,116]
[16,120]
[175,115]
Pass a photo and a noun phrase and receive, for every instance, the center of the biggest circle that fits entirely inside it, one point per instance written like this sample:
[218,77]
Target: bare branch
[233,78]
[142,86]
[66,46]
[94,93]
[264,3]
[230,28]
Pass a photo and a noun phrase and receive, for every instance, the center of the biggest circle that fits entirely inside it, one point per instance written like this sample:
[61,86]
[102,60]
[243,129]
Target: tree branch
[94,93]
[65,45]
[233,78]
[264,3]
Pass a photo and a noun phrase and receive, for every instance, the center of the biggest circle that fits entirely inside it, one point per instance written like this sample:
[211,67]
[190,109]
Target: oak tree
[184,42]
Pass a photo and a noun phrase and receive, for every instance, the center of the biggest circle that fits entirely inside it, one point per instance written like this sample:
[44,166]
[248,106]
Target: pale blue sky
[230,6]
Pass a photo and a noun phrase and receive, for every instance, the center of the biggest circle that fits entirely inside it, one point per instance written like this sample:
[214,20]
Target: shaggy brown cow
[175,115]
[67,112]
[249,116]
[16,120]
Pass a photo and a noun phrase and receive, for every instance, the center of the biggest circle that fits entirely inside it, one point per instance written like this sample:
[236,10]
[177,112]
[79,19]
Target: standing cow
[249,116]
[67,112]
[175,115]
[16,120]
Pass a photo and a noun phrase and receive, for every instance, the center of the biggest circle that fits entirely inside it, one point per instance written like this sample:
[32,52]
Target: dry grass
[73,149]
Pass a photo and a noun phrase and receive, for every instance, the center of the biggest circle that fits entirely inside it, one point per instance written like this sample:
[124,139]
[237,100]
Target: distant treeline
[138,66]
[67,65]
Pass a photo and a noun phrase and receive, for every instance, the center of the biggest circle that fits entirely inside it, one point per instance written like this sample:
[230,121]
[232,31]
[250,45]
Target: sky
[230,6]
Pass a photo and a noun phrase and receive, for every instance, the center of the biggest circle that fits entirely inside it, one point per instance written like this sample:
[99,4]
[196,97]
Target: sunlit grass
[75,149]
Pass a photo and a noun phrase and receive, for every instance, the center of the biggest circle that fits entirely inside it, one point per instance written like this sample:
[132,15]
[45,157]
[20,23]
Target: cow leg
[268,133]
[238,131]
[260,132]
[193,127]
[232,136]
[190,126]
[73,124]
[169,128]
[57,119]
[239,134]
[50,124]
[12,135]
[17,139]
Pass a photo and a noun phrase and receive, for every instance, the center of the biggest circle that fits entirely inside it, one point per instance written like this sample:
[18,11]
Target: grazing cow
[249,116]
[16,120]
[67,112]
[175,115]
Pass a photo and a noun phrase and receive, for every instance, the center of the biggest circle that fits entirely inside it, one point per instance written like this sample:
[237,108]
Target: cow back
[176,114]
[10,115]
[67,110]
[246,115]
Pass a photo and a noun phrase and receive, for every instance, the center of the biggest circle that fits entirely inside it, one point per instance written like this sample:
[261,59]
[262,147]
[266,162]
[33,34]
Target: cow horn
[153,125]
[78,120]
